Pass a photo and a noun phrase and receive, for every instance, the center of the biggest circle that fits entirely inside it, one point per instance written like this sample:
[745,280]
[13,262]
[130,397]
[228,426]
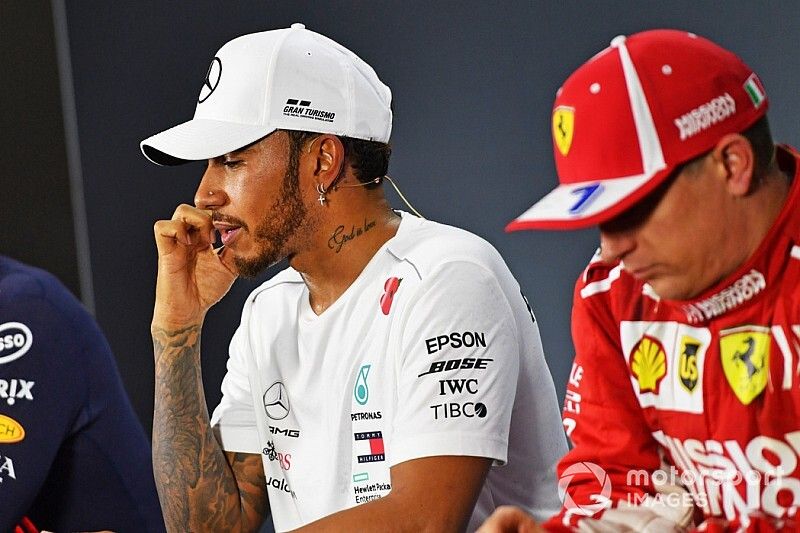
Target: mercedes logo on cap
[276,401]
[212,80]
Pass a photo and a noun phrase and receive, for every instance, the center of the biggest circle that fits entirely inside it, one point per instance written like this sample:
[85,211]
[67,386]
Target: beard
[279,224]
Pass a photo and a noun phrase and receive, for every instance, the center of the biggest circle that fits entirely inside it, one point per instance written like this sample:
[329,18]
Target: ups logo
[687,364]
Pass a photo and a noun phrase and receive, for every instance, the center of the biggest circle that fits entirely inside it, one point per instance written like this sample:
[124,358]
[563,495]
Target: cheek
[681,224]
[691,239]
[663,242]
[252,199]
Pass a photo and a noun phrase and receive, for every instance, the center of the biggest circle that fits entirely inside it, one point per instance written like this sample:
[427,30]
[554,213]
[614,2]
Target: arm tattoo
[196,484]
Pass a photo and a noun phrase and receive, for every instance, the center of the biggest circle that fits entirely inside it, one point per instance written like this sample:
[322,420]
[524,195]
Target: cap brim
[200,139]
[588,203]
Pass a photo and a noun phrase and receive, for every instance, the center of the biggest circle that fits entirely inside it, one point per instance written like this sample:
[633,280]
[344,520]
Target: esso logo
[15,341]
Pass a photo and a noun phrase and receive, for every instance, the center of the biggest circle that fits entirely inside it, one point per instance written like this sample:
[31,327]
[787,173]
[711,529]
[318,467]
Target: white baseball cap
[292,79]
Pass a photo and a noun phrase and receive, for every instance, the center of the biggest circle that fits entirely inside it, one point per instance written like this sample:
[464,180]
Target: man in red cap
[682,400]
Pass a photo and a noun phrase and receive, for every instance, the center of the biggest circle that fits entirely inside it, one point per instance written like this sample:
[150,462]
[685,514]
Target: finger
[171,233]
[197,219]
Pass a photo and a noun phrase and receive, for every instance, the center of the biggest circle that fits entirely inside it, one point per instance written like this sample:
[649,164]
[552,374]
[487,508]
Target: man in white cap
[373,383]
[682,400]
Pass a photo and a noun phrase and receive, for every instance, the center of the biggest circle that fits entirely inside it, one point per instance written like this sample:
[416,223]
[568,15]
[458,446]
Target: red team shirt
[707,390]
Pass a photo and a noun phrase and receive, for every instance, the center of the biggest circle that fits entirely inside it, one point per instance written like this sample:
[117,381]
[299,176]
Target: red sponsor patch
[376,445]
[389,290]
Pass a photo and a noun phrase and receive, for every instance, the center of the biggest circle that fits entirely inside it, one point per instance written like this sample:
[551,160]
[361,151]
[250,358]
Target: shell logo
[11,431]
[648,362]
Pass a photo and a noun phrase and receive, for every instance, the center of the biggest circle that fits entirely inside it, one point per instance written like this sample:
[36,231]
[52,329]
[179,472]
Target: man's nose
[209,194]
[615,245]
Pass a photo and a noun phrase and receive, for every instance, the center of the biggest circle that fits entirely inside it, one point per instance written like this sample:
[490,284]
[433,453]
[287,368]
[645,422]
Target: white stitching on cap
[649,143]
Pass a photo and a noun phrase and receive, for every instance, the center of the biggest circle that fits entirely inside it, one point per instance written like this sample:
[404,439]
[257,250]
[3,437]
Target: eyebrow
[238,152]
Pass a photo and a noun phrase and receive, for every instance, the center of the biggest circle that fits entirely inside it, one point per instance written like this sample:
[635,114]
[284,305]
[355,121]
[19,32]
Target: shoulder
[284,282]
[18,280]
[607,287]
[37,306]
[22,285]
[429,246]
[598,278]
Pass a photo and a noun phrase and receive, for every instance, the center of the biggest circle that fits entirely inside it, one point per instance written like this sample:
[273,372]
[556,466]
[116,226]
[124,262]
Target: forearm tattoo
[196,486]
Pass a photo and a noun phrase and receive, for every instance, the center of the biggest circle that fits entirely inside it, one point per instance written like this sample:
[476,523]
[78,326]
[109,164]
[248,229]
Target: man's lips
[227,232]
[641,273]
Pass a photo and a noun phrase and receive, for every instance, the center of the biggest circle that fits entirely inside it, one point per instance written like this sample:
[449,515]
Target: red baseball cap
[631,114]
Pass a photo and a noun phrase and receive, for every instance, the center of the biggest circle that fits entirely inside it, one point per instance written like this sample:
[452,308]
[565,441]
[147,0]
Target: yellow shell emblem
[563,128]
[648,364]
[11,431]
[745,360]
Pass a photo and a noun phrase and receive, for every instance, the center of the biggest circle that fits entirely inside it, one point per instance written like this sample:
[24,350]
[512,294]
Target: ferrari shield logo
[563,127]
[745,360]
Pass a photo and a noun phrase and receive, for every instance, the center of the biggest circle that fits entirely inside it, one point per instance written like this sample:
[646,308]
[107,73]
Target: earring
[321,190]
[211,193]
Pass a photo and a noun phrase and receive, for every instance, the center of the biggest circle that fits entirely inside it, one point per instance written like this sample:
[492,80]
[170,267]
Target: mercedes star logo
[276,401]
[212,80]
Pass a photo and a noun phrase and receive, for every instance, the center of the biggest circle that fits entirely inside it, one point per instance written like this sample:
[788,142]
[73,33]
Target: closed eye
[232,163]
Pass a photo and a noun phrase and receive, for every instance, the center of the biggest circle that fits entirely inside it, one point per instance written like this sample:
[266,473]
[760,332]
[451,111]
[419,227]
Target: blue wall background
[473,85]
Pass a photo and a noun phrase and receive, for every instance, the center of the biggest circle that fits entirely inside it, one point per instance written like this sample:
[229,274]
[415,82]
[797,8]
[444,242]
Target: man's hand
[508,519]
[192,276]
[198,488]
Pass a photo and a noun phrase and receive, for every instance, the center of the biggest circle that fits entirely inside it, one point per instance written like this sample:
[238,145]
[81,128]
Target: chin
[252,267]
[671,290]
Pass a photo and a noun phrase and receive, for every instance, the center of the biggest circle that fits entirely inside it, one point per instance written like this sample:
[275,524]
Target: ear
[327,155]
[734,154]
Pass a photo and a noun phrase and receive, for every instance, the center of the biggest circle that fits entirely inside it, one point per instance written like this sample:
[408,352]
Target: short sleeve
[234,419]
[458,367]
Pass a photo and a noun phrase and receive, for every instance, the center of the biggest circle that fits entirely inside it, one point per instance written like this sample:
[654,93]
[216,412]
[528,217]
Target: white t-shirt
[431,351]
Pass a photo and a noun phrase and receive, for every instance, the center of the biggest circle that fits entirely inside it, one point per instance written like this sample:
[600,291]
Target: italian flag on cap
[755,90]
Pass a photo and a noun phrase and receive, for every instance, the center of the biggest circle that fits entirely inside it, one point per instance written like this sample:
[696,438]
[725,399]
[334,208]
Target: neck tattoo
[339,238]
